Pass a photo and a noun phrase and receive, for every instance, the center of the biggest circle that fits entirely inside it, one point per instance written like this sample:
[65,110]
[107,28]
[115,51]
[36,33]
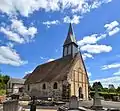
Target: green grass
[2,92]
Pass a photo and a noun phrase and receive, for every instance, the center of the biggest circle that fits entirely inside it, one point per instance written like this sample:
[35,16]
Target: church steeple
[70,37]
[70,46]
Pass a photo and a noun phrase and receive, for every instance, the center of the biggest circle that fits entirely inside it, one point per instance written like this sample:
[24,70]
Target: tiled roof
[17,81]
[56,70]
[26,76]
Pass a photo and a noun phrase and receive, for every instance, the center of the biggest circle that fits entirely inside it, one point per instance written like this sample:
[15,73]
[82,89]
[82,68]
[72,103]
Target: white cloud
[75,19]
[28,72]
[10,44]
[112,28]
[19,33]
[10,56]
[54,22]
[51,22]
[114,31]
[26,7]
[95,49]
[98,3]
[84,6]
[87,55]
[89,74]
[92,39]
[43,58]
[49,60]
[115,80]
[111,66]
[18,26]
[111,25]
[101,36]
[117,73]
[11,35]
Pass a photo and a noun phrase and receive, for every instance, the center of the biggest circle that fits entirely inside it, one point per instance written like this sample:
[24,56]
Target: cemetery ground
[86,104]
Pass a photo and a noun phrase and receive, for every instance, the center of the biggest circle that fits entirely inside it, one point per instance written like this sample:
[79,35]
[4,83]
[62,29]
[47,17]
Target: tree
[118,89]
[105,89]
[99,85]
[6,78]
[3,81]
[112,90]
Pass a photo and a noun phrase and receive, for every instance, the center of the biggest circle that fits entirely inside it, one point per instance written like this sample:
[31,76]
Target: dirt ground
[42,110]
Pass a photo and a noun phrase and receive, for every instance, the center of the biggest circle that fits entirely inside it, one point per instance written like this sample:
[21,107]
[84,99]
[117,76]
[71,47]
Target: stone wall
[49,91]
[79,80]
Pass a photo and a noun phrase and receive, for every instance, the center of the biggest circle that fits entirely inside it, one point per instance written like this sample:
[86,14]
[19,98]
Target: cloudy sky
[33,31]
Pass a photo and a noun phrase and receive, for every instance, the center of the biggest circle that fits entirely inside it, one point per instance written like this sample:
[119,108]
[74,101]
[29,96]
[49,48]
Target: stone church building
[62,78]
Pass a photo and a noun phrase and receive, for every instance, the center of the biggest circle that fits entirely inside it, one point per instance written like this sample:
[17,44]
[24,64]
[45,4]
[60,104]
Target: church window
[28,87]
[80,93]
[65,51]
[55,86]
[75,49]
[9,85]
[69,49]
[44,86]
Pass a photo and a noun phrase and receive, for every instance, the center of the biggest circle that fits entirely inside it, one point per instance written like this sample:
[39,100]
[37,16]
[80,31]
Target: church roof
[70,37]
[17,81]
[56,70]
[26,76]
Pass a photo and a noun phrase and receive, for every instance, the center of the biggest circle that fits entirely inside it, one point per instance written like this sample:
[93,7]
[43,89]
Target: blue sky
[32,32]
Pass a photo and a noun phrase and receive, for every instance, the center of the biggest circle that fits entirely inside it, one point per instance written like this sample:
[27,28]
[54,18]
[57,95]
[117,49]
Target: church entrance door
[80,93]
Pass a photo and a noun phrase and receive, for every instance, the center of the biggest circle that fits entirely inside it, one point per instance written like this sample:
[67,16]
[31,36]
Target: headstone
[10,105]
[33,104]
[97,100]
[74,103]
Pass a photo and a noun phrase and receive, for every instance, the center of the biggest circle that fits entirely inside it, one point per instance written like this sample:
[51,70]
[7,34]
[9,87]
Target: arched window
[44,86]
[55,85]
[28,87]
[80,93]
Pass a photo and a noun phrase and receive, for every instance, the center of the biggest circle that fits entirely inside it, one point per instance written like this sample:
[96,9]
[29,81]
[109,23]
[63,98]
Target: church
[62,78]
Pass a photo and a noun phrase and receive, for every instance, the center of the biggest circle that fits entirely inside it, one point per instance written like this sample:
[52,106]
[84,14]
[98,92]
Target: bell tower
[70,46]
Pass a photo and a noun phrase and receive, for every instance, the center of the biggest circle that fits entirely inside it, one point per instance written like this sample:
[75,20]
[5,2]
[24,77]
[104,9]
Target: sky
[32,32]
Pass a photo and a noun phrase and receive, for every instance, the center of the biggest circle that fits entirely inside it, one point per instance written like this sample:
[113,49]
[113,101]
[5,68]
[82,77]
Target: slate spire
[70,46]
[70,36]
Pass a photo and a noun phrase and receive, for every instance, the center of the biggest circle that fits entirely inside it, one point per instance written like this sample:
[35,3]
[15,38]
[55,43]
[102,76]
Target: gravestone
[74,103]
[10,105]
[33,104]
[97,100]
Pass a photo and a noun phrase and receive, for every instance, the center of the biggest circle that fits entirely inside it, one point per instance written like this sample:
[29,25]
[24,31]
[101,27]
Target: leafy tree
[118,89]
[99,85]
[112,90]
[3,81]
[6,79]
[105,90]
